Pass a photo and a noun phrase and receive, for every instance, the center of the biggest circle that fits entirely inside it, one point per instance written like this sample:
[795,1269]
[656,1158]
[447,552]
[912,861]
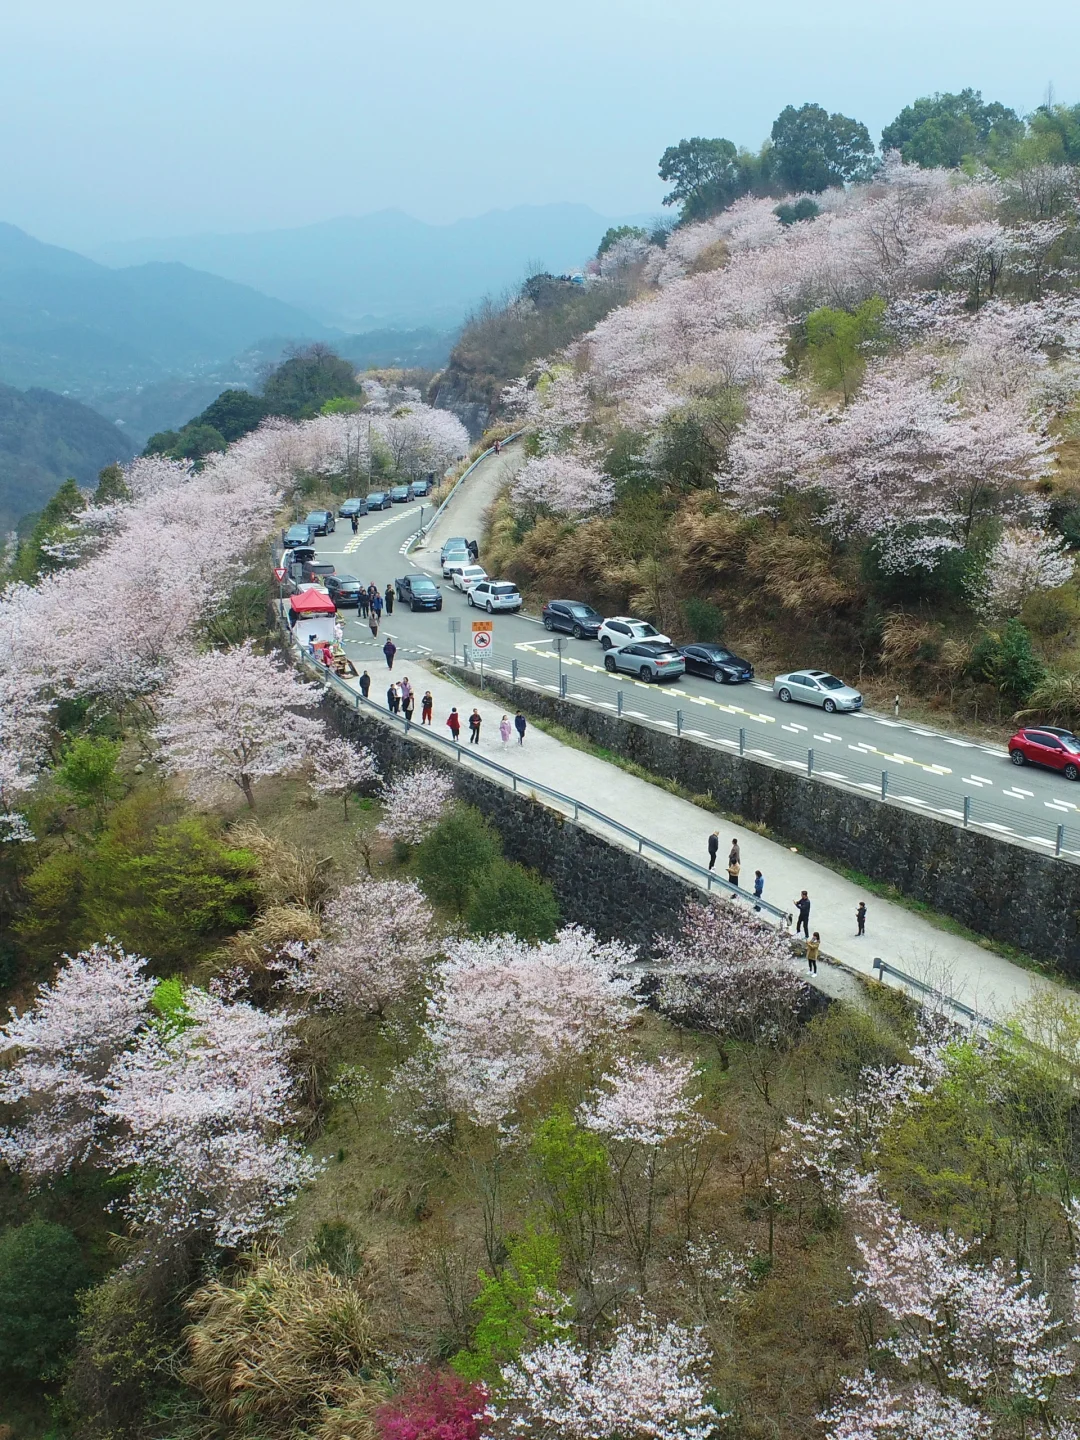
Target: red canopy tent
[311,602]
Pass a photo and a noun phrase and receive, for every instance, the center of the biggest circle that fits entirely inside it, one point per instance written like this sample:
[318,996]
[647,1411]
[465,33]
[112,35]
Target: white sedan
[468,576]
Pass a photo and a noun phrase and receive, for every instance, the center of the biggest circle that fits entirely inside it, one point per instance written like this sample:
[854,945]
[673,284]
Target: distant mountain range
[44,439]
[387,269]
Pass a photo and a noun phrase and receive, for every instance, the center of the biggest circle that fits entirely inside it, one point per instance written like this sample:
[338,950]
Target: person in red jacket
[453,723]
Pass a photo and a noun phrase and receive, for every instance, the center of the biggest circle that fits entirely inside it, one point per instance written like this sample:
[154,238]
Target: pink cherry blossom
[341,768]
[414,803]
[645,1103]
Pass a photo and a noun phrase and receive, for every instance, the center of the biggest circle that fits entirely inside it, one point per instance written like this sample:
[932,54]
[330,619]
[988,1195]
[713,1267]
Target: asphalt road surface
[923,767]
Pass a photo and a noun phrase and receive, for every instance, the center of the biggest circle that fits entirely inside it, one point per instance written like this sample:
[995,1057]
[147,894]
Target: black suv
[418,592]
[321,522]
[576,619]
[716,662]
[344,589]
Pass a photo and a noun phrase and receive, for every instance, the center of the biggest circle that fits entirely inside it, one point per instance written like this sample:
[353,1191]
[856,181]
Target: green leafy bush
[519,1307]
[41,1272]
[455,857]
[510,900]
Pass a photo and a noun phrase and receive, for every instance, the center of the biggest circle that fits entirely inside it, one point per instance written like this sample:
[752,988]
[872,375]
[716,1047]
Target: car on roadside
[344,589]
[572,616]
[492,595]
[622,630]
[1047,746]
[353,506]
[456,542]
[817,687]
[647,659]
[454,560]
[422,487]
[295,584]
[468,576]
[419,592]
[717,662]
[317,570]
[298,534]
[378,500]
[400,494]
[321,522]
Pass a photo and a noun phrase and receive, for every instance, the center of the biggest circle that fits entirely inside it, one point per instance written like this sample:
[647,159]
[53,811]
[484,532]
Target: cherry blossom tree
[645,1103]
[201,1113]
[648,1384]
[59,1053]
[228,716]
[564,484]
[379,936]
[414,803]
[341,768]
[1021,562]
[504,1013]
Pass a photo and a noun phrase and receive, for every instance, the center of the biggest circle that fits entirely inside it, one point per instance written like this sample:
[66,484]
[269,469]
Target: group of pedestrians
[802,904]
[453,724]
[371,605]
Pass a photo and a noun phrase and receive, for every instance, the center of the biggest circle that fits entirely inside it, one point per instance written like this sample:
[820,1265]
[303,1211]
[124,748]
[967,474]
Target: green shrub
[704,619]
[456,855]
[519,1307]
[41,1271]
[1006,660]
[88,772]
[510,900]
[117,1368]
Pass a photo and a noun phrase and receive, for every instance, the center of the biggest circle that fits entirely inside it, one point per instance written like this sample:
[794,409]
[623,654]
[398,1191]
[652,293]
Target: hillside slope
[44,439]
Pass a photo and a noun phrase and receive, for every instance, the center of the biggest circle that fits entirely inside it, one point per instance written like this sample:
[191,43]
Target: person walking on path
[505,730]
[474,727]
[371,592]
[373,625]
[803,907]
[714,846]
[363,602]
[498,447]
[355,524]
[393,699]
[389,650]
[365,684]
[376,604]
[453,724]
[860,918]
[519,726]
[389,599]
[813,950]
[427,706]
[759,888]
[734,854]
[408,701]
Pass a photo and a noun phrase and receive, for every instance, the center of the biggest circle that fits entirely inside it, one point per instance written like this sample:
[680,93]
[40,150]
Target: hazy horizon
[132,124]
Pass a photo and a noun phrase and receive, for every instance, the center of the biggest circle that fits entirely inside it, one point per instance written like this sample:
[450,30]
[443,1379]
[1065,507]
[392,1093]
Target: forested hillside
[836,425]
[44,439]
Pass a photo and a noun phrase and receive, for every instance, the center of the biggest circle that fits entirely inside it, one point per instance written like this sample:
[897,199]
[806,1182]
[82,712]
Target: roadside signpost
[279,573]
[483,634]
[454,625]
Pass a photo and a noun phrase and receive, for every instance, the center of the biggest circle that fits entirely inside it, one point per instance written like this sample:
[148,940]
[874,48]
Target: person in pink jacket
[505,730]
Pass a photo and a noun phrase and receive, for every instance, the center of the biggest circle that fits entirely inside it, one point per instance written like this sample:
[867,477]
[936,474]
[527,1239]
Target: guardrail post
[678,722]
[884,783]
[879,967]
[562,687]
[809,763]
[967,810]
[575,810]
[1060,839]
[618,702]
[742,742]
[513,669]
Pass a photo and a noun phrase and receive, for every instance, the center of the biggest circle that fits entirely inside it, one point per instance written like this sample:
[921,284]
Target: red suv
[1056,749]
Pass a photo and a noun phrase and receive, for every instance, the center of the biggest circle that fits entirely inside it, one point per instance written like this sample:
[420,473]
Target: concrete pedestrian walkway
[958,967]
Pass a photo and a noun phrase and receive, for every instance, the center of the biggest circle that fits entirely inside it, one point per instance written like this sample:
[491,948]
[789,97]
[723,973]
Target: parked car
[297,555]
[492,595]
[1052,748]
[344,589]
[817,687]
[321,522]
[716,662]
[317,570]
[399,494]
[455,560]
[422,487]
[647,659]
[295,584]
[299,534]
[581,621]
[468,576]
[621,630]
[456,542]
[379,500]
[418,592]
[354,506]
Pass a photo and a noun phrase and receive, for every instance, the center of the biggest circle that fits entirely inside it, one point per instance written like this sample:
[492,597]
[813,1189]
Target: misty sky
[130,118]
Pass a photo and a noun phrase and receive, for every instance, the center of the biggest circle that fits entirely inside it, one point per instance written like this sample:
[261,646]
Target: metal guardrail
[908,786]
[883,968]
[707,879]
[413,539]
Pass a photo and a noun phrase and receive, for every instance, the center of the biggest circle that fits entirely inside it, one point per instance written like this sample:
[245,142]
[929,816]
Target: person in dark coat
[362,602]
[389,650]
[714,846]
[474,727]
[427,705]
[376,605]
[860,918]
[389,599]
[355,523]
[393,699]
[519,726]
[474,551]
[365,684]
[802,905]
